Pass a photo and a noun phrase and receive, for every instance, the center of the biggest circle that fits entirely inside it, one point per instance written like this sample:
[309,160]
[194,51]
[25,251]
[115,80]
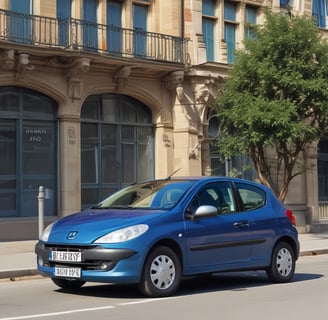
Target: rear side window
[251,196]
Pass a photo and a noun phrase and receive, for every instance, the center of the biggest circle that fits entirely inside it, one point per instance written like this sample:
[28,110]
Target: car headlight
[124,234]
[45,234]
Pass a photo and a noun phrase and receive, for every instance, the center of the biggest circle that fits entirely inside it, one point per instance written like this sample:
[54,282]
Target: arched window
[28,153]
[117,145]
[240,166]
[323,169]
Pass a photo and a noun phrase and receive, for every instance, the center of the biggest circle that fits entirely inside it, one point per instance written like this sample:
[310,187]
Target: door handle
[241,224]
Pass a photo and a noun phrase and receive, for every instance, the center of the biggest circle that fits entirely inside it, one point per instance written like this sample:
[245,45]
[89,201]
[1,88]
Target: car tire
[68,284]
[161,273]
[282,265]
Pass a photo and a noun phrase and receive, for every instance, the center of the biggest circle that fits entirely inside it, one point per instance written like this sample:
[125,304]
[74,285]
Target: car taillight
[291,217]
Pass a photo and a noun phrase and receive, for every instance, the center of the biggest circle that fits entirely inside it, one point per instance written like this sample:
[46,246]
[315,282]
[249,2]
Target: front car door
[217,242]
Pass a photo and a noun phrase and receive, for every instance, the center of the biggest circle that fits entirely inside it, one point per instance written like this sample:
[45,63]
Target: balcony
[79,35]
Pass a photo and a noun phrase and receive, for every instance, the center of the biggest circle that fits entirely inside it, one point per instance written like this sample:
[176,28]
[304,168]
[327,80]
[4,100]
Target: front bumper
[98,263]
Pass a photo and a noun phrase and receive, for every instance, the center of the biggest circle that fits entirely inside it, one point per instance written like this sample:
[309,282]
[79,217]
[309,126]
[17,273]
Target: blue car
[154,233]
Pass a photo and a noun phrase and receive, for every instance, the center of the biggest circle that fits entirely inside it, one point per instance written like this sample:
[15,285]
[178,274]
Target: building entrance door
[28,157]
[117,145]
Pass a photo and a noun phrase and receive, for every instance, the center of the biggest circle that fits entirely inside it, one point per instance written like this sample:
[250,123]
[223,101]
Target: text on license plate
[65,256]
[68,272]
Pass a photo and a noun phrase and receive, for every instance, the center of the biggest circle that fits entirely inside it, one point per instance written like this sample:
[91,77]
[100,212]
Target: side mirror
[203,212]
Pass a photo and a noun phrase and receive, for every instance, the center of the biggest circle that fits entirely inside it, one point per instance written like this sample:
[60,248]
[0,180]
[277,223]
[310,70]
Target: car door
[254,201]
[221,241]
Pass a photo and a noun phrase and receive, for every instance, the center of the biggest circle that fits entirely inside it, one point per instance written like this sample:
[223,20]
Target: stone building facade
[97,94]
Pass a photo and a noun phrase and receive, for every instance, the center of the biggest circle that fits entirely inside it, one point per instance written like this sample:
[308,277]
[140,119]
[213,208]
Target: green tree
[275,103]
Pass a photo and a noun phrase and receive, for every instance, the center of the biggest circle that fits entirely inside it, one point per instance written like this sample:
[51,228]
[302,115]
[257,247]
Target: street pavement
[17,258]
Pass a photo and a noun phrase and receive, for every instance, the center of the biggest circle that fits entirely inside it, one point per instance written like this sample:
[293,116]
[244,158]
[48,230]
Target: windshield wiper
[113,207]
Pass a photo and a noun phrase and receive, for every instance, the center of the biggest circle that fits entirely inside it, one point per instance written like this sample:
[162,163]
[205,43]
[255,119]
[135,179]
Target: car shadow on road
[235,281]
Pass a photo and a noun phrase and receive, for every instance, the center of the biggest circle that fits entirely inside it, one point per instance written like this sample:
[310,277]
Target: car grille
[89,261]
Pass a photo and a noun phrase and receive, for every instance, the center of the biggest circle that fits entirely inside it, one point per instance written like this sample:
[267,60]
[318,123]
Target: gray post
[41,209]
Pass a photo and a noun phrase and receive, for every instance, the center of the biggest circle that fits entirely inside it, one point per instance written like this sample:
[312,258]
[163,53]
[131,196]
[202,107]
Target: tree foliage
[275,103]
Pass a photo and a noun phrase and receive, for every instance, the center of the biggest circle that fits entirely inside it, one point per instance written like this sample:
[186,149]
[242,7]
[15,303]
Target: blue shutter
[229,30]
[22,6]
[251,15]
[322,13]
[63,16]
[315,11]
[90,34]
[208,7]
[114,25]
[229,11]
[319,12]
[20,22]
[250,19]
[140,28]
[284,3]
[230,38]
[208,25]
[208,34]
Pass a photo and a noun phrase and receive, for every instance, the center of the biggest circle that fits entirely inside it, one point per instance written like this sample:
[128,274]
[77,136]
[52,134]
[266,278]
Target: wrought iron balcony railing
[75,34]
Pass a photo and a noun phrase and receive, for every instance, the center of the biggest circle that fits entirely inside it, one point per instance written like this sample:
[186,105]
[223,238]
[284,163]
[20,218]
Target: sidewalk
[17,258]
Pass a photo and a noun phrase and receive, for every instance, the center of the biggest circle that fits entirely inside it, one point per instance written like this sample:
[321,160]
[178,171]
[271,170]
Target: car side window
[251,196]
[218,194]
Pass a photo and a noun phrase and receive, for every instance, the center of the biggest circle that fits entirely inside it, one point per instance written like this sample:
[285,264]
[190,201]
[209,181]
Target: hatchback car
[154,233]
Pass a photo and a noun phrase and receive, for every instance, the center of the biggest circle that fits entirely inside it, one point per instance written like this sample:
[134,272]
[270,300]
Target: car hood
[89,225]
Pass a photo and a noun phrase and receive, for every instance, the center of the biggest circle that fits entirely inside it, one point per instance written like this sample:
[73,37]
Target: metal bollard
[41,209]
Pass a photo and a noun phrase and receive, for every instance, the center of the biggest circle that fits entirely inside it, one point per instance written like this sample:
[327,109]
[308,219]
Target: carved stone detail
[194,151]
[23,66]
[74,75]
[174,82]
[205,94]
[8,59]
[121,77]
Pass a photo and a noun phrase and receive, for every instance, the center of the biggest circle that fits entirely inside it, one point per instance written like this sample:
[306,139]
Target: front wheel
[282,265]
[161,273]
[69,285]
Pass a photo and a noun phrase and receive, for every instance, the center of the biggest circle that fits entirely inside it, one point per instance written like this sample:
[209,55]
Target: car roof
[214,178]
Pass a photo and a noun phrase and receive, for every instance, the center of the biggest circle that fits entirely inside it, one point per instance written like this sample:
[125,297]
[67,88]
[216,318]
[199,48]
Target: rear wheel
[282,265]
[68,284]
[161,273]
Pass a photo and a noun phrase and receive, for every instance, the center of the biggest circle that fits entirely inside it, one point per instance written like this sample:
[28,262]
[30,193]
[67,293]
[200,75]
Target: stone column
[69,164]
[204,92]
[164,151]
[312,192]
[186,143]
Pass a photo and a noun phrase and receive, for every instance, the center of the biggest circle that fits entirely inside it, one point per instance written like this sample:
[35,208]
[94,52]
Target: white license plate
[68,272]
[64,256]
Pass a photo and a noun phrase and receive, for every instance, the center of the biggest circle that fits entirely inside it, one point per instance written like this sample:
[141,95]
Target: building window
[90,27]
[322,168]
[20,25]
[230,30]
[28,158]
[251,13]
[239,166]
[117,145]
[208,27]
[114,25]
[139,18]
[64,9]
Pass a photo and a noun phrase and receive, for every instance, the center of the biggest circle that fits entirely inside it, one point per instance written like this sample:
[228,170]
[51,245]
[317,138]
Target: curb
[14,274]
[313,252]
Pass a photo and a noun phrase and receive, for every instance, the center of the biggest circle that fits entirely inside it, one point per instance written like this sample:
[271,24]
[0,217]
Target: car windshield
[162,194]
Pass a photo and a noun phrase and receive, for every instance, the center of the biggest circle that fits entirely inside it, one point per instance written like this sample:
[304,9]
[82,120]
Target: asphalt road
[227,296]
